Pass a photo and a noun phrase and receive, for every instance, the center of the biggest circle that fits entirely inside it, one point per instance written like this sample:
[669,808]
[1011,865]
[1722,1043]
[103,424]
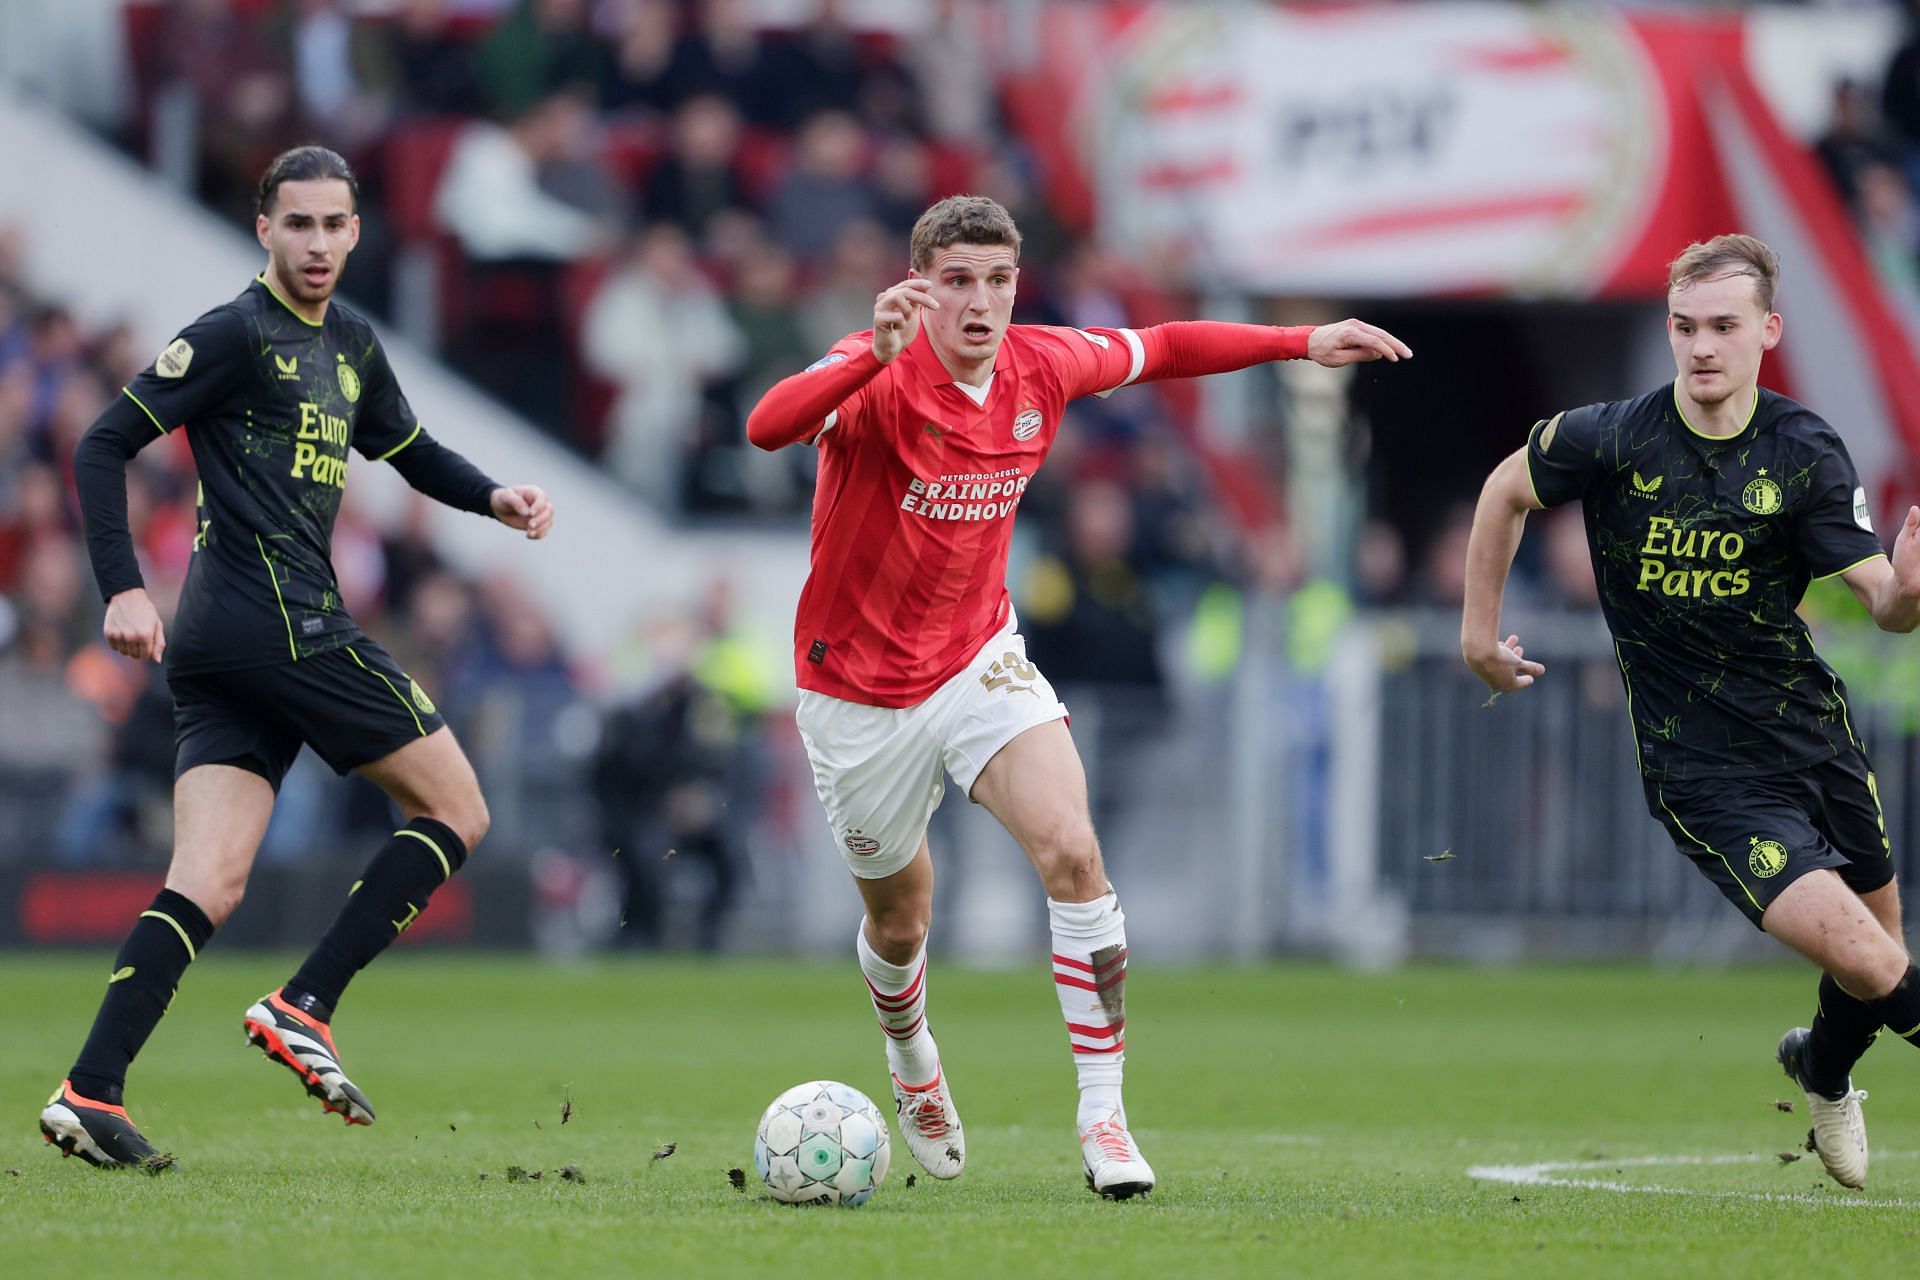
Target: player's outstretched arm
[1197,348]
[523,506]
[795,408]
[1891,589]
[1498,521]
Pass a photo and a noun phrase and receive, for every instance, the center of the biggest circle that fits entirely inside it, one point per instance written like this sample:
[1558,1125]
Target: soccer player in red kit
[930,427]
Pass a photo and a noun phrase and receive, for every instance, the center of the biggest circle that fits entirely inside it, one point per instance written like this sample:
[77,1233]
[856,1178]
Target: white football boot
[1115,1167]
[931,1125]
[1839,1133]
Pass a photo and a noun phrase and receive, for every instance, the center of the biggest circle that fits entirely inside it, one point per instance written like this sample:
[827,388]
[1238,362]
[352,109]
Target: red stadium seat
[761,162]
[592,395]
[416,155]
[630,149]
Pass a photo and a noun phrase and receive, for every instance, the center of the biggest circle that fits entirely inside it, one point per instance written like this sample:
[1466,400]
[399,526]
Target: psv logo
[1026,425]
[861,846]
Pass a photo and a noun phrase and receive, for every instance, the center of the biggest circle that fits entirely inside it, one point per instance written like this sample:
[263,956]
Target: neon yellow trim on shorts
[396,693]
[184,939]
[445,866]
[1710,849]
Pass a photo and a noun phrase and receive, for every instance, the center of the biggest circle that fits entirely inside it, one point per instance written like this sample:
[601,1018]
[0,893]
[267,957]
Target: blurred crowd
[627,218]
[1871,150]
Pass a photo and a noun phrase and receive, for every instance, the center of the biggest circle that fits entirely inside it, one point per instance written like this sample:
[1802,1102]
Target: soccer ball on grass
[822,1143]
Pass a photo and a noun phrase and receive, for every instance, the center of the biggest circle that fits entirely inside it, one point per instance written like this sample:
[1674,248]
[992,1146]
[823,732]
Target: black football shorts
[1755,836]
[352,705]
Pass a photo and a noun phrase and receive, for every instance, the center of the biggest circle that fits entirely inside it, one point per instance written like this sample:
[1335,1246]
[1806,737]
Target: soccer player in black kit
[272,388]
[1710,504]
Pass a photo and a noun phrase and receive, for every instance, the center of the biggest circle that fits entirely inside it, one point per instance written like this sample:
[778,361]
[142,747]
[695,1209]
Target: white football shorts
[878,769]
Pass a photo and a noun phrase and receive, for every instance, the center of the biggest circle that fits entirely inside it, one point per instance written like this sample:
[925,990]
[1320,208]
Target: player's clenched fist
[133,626]
[896,317]
[523,506]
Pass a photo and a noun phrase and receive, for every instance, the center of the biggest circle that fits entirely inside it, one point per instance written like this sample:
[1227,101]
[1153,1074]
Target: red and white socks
[899,993]
[1090,977]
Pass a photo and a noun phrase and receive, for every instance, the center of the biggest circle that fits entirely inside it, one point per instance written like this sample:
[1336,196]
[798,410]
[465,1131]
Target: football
[822,1143]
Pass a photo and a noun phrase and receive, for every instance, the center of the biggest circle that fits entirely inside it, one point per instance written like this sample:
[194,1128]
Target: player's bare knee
[1067,856]
[216,900]
[466,816]
[473,821]
[1872,972]
[899,932]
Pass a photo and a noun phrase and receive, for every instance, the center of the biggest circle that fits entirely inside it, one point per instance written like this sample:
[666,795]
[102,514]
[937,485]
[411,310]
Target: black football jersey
[1703,548]
[272,402]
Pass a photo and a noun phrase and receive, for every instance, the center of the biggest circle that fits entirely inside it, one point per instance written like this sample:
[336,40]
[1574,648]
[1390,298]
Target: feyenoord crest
[1761,496]
[1027,425]
[1766,858]
[349,381]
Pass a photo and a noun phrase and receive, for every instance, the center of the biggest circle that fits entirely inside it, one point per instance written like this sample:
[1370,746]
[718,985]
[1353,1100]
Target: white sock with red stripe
[1090,977]
[899,993]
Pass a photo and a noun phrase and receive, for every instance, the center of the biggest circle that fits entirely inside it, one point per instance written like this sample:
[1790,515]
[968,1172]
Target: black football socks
[415,861]
[1899,1010]
[164,941]
[1843,1027]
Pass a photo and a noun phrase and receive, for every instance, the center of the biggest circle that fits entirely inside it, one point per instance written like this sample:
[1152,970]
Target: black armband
[444,475]
[100,477]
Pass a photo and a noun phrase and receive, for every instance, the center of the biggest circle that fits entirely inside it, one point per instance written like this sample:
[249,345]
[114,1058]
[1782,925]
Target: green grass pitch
[1303,1121]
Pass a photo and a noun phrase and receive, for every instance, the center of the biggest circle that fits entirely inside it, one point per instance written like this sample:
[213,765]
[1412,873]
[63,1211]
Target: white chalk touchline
[1548,1173]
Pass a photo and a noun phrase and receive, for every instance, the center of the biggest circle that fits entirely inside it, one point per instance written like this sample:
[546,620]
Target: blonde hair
[1723,256]
[961,220]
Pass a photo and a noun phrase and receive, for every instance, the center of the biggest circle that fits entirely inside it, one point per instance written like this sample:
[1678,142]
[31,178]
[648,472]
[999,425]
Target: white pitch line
[1545,1174]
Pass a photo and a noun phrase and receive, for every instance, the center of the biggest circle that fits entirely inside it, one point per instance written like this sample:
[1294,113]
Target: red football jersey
[913,512]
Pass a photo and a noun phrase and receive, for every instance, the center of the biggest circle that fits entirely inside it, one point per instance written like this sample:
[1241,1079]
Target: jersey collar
[1745,428]
[927,362]
[261,280]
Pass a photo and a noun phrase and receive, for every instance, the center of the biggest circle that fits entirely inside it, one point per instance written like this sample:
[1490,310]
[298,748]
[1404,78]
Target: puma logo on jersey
[1646,488]
[935,430]
[120,975]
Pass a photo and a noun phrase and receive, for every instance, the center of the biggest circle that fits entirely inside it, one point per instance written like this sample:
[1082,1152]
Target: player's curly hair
[962,220]
[306,164]
[1723,256]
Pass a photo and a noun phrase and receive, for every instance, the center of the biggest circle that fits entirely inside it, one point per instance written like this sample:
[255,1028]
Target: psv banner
[1459,149]
[1376,150]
